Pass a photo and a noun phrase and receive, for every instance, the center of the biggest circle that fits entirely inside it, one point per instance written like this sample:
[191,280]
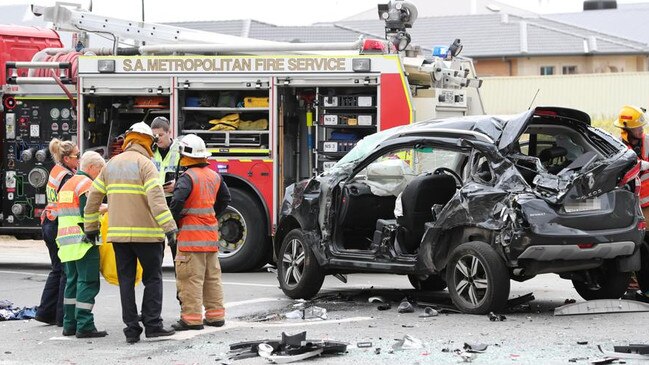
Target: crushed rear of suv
[470,203]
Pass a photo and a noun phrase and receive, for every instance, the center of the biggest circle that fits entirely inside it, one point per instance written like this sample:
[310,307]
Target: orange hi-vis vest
[58,173]
[198,225]
[70,236]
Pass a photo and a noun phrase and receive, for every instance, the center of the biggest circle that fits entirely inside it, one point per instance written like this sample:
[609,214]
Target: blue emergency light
[440,51]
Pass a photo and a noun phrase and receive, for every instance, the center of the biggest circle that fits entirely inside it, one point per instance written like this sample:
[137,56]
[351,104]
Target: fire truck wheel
[243,244]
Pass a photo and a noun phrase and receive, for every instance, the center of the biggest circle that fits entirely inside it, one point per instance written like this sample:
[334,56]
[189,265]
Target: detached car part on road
[471,203]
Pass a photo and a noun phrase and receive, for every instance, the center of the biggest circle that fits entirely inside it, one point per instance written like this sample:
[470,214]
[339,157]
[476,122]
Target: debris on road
[631,352]
[9,313]
[582,342]
[475,347]
[361,345]
[407,343]
[601,306]
[465,356]
[405,307]
[441,308]
[606,360]
[569,301]
[376,300]
[288,349]
[308,313]
[384,306]
[496,317]
[429,312]
[511,303]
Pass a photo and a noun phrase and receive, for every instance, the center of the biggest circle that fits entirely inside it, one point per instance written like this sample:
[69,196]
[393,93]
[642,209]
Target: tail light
[545,113]
[631,175]
[642,225]
[586,245]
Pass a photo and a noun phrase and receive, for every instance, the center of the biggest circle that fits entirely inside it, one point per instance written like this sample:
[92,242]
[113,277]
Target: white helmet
[141,128]
[193,146]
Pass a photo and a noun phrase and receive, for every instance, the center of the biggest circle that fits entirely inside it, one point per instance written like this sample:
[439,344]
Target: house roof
[627,21]
[438,8]
[483,35]
[501,35]
[260,30]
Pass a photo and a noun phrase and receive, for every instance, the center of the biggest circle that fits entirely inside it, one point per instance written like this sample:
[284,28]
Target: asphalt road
[254,302]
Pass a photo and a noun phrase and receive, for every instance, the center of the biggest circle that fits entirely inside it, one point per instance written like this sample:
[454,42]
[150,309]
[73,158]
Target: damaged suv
[470,203]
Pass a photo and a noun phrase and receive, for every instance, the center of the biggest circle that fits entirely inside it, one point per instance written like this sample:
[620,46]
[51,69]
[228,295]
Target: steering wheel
[447,171]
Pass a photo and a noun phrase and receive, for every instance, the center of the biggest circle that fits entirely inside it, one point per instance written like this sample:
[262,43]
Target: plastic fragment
[405,307]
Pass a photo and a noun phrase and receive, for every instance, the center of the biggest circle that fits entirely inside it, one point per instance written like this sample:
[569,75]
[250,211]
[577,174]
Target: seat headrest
[552,152]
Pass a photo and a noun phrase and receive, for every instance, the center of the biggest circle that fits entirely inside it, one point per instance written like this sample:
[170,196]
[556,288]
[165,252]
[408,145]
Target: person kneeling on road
[200,195]
[80,259]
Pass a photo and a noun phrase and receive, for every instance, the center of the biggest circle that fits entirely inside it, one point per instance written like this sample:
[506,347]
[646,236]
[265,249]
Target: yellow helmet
[630,117]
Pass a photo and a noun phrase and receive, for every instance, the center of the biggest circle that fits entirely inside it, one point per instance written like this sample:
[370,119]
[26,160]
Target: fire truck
[270,113]
[21,177]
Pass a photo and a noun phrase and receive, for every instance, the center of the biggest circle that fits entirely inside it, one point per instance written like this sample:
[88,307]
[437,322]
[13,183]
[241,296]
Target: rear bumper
[573,252]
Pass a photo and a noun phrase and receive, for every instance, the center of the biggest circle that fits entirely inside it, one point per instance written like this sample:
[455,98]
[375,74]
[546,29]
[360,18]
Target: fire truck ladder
[71,17]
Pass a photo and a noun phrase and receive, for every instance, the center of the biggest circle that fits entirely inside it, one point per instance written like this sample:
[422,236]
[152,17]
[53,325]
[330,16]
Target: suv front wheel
[298,271]
[477,278]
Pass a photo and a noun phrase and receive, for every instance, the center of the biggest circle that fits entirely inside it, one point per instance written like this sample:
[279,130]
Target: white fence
[600,95]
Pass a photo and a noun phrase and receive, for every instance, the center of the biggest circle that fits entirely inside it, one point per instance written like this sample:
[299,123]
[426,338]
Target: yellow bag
[107,264]
[255,102]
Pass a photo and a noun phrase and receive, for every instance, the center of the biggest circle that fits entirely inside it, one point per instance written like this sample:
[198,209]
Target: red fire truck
[271,114]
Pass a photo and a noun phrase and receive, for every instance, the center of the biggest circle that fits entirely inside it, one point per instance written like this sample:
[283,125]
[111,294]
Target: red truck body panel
[19,43]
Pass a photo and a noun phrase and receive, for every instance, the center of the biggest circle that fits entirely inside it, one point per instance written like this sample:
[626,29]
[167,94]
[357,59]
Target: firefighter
[80,259]
[631,120]
[199,197]
[66,158]
[138,221]
[165,158]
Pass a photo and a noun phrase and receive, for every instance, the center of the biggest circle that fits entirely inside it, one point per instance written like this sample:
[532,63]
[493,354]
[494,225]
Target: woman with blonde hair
[66,158]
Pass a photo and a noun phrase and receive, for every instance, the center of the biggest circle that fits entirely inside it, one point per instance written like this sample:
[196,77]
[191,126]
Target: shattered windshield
[364,147]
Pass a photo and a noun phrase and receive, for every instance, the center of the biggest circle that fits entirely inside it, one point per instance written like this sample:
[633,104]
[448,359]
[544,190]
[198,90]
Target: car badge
[590,180]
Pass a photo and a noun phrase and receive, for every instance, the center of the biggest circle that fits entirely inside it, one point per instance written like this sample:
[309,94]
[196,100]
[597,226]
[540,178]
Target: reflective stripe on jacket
[168,164]
[70,236]
[198,225]
[644,175]
[137,208]
[54,182]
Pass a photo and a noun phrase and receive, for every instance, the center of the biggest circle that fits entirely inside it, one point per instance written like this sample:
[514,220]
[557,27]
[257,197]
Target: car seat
[417,199]
[553,158]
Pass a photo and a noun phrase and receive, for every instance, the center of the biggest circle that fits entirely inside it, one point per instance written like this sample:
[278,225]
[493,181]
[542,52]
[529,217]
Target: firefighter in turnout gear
[66,158]
[200,195]
[80,259]
[138,221]
[632,120]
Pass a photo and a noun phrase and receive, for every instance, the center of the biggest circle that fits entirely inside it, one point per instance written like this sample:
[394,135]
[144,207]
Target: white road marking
[165,280]
[22,273]
[185,335]
[253,301]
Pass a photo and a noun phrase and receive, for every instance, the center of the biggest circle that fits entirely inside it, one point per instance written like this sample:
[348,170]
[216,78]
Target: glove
[171,238]
[644,165]
[91,237]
